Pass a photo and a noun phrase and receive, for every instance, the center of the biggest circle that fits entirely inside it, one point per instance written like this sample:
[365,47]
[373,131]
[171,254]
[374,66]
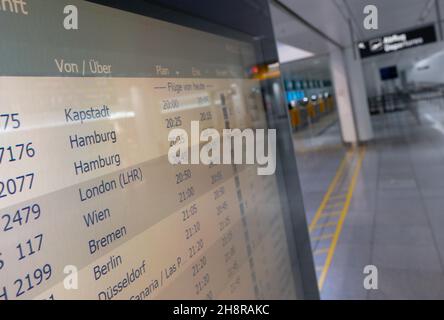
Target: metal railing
[404,100]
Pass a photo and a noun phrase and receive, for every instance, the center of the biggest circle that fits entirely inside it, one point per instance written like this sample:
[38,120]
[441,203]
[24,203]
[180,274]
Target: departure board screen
[90,205]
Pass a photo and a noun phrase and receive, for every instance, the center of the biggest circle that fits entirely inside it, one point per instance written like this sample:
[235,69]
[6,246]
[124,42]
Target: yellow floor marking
[339,196]
[331,214]
[335,205]
[321,251]
[324,225]
[323,237]
[330,190]
[342,218]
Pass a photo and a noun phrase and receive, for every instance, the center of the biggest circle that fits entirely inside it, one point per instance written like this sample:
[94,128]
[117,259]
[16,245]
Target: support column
[351,96]
[356,84]
[343,99]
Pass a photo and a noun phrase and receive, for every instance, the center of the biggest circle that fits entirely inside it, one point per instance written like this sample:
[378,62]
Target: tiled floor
[396,216]
[319,152]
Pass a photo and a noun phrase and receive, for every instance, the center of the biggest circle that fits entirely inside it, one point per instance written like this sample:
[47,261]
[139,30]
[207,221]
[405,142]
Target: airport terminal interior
[101,182]
[385,205]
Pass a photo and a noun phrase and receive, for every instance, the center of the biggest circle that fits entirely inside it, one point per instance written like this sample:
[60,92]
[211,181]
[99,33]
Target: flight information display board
[85,181]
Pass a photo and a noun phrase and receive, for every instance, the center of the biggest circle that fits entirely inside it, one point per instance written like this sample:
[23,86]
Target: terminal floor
[396,215]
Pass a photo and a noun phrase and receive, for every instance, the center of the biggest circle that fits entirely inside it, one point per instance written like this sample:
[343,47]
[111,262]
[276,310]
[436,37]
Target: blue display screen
[295,95]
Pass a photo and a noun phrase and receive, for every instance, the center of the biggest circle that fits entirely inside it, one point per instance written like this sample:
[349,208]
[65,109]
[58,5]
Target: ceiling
[311,68]
[290,31]
[333,17]
[394,15]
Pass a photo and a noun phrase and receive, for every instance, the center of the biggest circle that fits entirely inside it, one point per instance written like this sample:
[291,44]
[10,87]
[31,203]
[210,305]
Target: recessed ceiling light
[289,53]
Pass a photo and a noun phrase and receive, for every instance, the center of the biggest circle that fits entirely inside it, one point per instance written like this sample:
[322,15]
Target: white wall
[359,96]
[339,76]
[404,60]
[429,70]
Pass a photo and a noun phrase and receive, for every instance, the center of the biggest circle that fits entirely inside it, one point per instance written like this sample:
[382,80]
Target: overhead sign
[397,41]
